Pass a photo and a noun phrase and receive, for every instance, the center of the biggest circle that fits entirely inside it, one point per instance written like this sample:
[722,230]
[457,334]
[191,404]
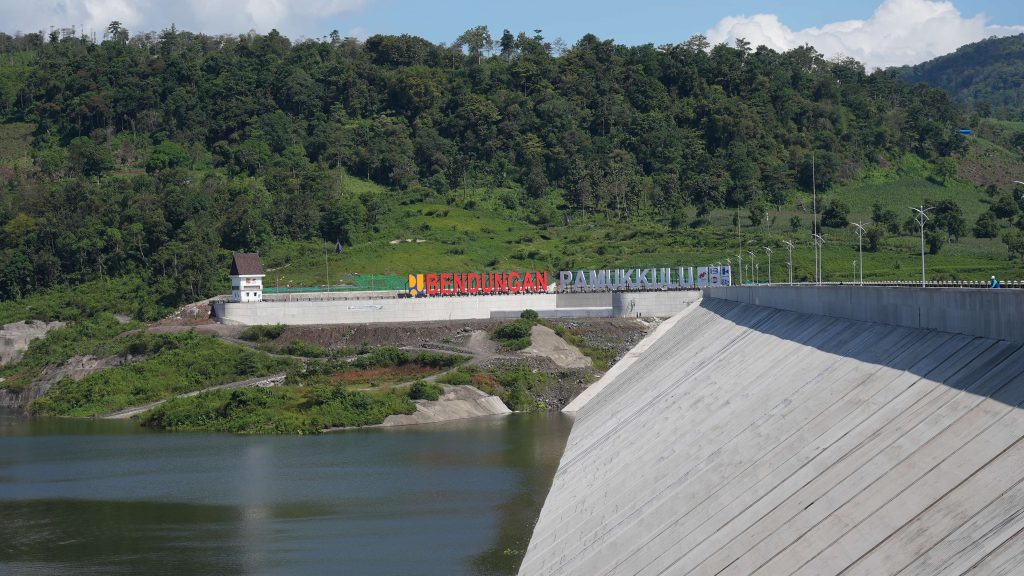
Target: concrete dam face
[755,440]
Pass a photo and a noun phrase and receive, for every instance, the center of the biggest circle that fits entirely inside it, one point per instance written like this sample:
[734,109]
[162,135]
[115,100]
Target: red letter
[446,283]
[528,285]
[432,288]
[459,286]
[472,282]
[542,281]
[513,282]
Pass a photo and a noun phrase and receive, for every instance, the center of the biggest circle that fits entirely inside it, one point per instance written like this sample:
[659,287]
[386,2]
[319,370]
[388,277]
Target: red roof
[246,264]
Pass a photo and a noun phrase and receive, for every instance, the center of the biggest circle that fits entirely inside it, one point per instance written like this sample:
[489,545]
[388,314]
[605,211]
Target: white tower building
[246,278]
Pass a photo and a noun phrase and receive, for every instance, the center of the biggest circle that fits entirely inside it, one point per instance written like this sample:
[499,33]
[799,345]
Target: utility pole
[753,260]
[739,259]
[769,251]
[789,246]
[921,218]
[860,248]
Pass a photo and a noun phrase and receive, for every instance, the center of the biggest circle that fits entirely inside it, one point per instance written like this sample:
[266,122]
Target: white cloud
[294,18]
[899,32]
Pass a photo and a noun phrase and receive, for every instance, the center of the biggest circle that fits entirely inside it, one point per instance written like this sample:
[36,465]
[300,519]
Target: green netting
[380,282]
[358,283]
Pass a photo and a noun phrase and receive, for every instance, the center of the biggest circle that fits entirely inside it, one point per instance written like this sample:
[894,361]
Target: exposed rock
[14,338]
[76,368]
[458,402]
[547,344]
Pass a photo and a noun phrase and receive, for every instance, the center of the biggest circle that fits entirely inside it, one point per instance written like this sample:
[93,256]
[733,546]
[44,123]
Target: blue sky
[878,32]
[636,22]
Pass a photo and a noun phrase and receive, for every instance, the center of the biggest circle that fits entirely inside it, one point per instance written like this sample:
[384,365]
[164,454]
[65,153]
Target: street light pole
[819,242]
[769,251]
[753,261]
[739,258]
[814,226]
[860,249]
[328,267]
[789,245]
[921,218]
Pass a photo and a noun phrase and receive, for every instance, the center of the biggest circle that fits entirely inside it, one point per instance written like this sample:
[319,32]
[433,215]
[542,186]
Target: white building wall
[365,309]
[247,288]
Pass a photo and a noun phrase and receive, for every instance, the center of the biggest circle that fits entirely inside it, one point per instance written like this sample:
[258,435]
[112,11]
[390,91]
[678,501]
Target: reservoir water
[108,497]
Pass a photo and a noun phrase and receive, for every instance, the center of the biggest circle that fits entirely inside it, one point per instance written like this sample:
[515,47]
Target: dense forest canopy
[152,154]
[986,76]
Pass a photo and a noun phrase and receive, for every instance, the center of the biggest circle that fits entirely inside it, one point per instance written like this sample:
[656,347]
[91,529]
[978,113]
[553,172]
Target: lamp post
[739,260]
[814,226]
[860,249]
[921,218]
[769,251]
[789,246]
[753,261]
[855,269]
[328,267]
[818,242]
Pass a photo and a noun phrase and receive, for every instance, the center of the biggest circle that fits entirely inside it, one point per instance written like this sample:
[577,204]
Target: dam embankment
[752,439]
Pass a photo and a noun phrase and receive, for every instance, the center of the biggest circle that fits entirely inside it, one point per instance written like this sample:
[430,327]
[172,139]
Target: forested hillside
[986,76]
[149,157]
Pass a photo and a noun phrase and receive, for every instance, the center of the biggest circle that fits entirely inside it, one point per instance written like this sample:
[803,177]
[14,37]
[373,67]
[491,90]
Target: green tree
[1014,240]
[165,155]
[874,236]
[945,170]
[89,158]
[1004,206]
[835,214]
[947,217]
[987,226]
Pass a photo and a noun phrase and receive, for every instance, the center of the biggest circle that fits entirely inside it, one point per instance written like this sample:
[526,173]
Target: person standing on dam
[995,283]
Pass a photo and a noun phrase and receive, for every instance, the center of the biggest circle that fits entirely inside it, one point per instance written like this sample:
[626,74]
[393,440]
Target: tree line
[152,154]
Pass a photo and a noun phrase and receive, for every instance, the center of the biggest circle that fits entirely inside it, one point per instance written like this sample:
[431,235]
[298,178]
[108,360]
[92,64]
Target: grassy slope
[488,236]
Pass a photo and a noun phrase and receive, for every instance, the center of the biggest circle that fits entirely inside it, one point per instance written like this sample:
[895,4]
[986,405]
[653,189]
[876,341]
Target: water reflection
[106,498]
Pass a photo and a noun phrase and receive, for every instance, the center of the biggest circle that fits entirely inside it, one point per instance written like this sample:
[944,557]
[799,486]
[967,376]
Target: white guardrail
[909,283]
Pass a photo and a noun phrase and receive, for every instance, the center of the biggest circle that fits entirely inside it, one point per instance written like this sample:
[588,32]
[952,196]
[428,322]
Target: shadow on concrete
[982,366]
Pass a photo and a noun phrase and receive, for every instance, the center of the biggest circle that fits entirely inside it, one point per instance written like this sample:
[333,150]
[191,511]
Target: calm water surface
[100,497]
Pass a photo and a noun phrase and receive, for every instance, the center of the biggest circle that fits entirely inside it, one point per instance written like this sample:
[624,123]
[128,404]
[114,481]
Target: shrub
[279,410]
[262,333]
[437,360]
[460,377]
[530,315]
[383,357]
[177,363]
[513,330]
[421,390]
[300,348]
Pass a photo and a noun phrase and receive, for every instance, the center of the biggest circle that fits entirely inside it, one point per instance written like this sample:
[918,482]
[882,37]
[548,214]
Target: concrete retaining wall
[997,314]
[656,304]
[363,308]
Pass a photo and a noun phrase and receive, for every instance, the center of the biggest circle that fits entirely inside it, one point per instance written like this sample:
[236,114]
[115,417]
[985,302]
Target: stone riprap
[753,440]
